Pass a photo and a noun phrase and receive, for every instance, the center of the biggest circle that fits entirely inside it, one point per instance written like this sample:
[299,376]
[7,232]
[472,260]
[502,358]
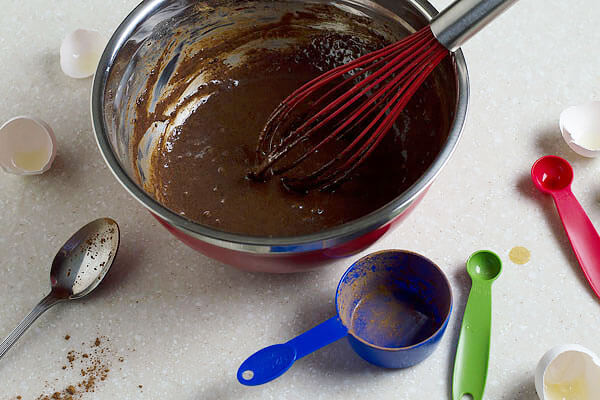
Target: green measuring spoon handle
[472,353]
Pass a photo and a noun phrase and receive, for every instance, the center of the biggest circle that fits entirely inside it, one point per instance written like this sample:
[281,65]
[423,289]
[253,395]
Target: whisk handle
[464,18]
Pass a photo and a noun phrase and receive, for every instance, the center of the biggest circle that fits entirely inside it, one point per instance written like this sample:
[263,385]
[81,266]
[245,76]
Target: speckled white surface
[183,322]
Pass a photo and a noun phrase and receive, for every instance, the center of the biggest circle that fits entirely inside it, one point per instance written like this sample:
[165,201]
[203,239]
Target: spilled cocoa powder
[94,362]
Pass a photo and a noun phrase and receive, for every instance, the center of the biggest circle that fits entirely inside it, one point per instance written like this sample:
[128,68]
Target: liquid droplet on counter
[519,255]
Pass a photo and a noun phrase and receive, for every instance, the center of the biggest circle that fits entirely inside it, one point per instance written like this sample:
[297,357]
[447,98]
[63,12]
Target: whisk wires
[359,101]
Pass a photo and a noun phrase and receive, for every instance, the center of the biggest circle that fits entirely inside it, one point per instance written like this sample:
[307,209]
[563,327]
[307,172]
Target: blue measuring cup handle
[271,362]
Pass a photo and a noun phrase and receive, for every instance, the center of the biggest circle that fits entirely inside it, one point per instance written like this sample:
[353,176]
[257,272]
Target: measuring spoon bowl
[551,174]
[393,306]
[484,266]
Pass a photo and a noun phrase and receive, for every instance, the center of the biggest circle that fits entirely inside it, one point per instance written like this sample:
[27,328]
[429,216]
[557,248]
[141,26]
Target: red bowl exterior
[288,262]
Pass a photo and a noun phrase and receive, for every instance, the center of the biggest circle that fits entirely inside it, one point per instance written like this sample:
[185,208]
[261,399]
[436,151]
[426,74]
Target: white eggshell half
[27,146]
[580,127]
[567,363]
[80,52]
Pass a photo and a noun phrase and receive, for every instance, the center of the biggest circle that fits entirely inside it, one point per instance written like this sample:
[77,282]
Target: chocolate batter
[200,165]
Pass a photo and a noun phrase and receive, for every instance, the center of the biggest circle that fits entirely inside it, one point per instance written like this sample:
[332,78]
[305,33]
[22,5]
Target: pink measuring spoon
[553,175]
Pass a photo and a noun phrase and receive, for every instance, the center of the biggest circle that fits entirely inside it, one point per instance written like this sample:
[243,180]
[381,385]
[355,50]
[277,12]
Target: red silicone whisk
[362,99]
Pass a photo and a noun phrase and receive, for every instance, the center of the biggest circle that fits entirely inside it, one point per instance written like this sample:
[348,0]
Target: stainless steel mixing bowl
[121,74]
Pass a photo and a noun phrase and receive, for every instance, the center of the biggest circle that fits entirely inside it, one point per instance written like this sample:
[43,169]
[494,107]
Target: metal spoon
[473,350]
[77,269]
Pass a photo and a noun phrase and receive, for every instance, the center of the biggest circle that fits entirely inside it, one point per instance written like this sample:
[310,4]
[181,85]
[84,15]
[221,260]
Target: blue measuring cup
[393,306]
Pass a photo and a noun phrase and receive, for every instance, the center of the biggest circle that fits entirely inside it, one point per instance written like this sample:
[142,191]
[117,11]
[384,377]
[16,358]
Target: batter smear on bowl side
[206,102]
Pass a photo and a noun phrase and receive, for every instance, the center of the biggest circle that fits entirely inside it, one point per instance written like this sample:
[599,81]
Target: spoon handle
[38,310]
[472,353]
[582,235]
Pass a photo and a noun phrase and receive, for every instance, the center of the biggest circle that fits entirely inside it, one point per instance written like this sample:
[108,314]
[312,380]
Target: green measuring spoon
[473,351]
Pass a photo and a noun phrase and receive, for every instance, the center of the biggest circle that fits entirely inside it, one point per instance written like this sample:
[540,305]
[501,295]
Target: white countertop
[182,323]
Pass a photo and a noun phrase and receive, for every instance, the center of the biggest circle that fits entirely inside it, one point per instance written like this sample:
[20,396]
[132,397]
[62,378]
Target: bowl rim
[261,244]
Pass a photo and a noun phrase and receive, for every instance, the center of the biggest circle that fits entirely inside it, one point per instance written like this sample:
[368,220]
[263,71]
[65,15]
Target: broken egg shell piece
[27,146]
[580,127]
[80,52]
[568,372]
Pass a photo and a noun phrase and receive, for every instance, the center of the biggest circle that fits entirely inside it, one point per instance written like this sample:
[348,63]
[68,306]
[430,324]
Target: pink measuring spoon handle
[583,236]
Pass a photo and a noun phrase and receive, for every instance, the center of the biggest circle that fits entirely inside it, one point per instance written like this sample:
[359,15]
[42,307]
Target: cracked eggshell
[571,365]
[27,146]
[580,127]
[80,52]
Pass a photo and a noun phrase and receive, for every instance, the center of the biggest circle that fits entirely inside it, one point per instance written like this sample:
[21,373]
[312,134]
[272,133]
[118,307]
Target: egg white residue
[27,146]
[568,372]
[80,52]
[580,127]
